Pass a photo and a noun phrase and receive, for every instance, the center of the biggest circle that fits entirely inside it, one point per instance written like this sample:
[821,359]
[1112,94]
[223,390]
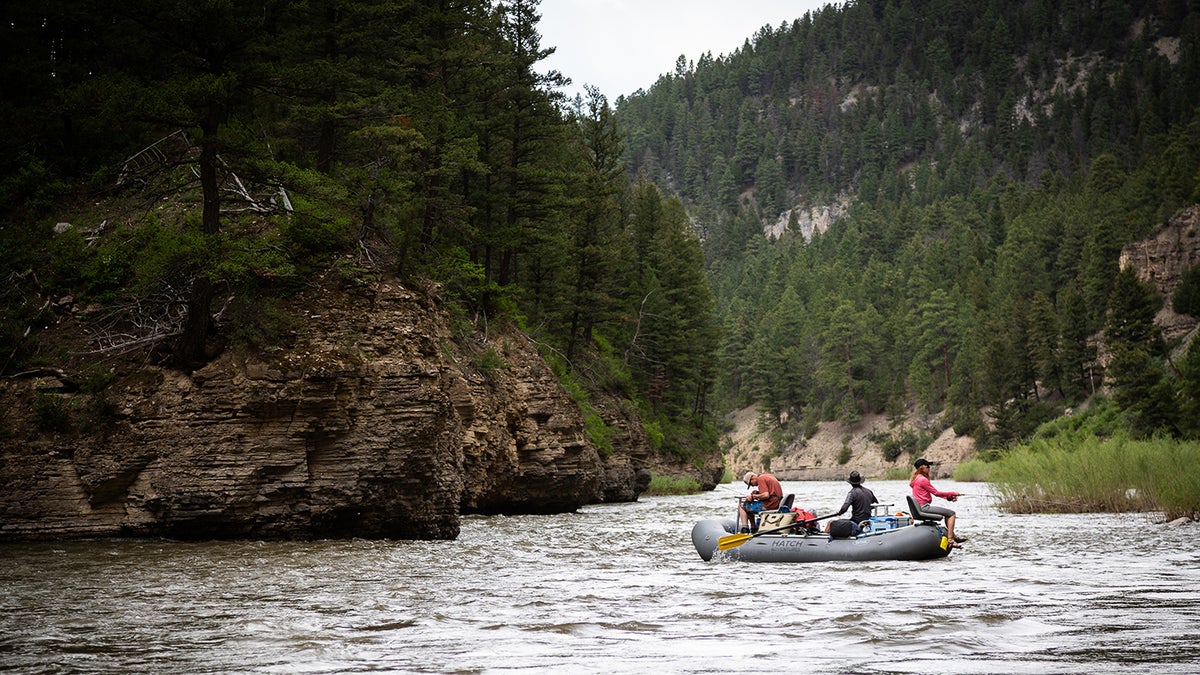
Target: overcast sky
[621,46]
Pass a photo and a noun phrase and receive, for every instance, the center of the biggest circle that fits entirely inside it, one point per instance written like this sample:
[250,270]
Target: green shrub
[966,420]
[1016,420]
[489,360]
[258,322]
[765,460]
[597,431]
[33,186]
[892,445]
[98,272]
[654,434]
[51,411]
[96,413]
[672,485]
[313,238]
[594,426]
[97,378]
[972,471]
[256,262]
[352,274]
[169,255]
[1102,418]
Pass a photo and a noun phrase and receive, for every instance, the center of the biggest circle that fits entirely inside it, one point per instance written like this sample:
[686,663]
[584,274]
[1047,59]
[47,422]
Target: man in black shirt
[859,501]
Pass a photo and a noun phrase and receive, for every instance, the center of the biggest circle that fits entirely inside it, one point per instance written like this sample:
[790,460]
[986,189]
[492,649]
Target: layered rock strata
[372,423]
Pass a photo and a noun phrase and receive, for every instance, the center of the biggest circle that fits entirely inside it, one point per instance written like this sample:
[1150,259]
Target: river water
[615,589]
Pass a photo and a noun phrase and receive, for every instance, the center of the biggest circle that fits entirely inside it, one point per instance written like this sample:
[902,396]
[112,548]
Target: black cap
[920,463]
[855,479]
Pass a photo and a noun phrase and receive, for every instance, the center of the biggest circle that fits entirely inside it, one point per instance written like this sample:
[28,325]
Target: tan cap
[746,479]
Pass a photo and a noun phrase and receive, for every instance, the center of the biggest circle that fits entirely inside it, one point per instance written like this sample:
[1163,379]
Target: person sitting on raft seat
[765,496]
[923,493]
[859,501]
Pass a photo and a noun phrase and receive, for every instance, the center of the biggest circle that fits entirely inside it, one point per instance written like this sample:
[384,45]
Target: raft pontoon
[918,536]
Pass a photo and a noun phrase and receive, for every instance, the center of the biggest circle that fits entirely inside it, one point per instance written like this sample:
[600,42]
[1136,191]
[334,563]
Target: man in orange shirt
[765,496]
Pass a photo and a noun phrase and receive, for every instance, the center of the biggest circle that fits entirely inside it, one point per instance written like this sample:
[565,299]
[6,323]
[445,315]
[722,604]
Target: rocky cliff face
[1161,260]
[373,423]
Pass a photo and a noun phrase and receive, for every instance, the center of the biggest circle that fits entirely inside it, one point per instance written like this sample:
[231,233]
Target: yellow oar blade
[732,541]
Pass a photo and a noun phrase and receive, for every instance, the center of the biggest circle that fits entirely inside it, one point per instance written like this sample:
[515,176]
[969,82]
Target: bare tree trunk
[190,347]
[209,185]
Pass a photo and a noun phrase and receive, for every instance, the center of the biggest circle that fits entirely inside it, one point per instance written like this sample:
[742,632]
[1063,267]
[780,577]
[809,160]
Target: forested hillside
[208,159]
[995,157]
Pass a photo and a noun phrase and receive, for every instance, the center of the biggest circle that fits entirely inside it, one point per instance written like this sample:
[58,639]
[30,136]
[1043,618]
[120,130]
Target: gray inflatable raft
[922,541]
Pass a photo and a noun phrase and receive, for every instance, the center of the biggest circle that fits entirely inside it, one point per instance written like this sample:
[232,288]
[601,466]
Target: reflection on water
[615,589]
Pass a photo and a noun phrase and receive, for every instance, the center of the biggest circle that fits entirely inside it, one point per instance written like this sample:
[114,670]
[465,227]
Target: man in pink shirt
[923,492]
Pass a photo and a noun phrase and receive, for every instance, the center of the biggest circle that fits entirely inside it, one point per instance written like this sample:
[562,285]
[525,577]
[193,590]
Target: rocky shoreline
[372,423]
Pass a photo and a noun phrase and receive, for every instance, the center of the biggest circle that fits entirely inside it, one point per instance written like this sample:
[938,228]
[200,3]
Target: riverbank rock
[373,422]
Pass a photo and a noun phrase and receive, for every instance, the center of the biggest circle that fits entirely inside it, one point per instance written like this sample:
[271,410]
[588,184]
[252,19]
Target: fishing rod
[1046,501]
[1023,498]
[729,489]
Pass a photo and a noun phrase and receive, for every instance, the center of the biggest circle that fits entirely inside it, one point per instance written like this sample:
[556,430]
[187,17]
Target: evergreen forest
[209,149]
[987,162]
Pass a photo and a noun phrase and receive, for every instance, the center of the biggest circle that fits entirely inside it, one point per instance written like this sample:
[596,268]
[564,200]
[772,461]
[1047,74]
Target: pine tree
[1141,391]
[1077,355]
[1139,384]
[1044,342]
[726,186]
[936,339]
[597,225]
[1132,307]
[850,349]
[196,67]
[523,120]
[769,188]
[673,345]
[1188,385]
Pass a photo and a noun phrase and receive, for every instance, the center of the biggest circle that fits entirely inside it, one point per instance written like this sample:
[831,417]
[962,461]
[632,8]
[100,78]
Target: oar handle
[813,520]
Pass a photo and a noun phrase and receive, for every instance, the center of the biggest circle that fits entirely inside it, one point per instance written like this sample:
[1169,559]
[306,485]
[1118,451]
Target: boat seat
[786,503]
[918,514]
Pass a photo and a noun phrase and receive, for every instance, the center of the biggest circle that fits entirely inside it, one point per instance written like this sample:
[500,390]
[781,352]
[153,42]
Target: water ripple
[613,589]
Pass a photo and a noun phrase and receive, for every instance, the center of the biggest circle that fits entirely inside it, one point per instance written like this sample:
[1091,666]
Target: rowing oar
[734,540]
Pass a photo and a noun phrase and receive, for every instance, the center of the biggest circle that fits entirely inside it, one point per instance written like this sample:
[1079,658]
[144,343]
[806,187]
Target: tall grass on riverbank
[672,485]
[1076,473]
[973,471]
